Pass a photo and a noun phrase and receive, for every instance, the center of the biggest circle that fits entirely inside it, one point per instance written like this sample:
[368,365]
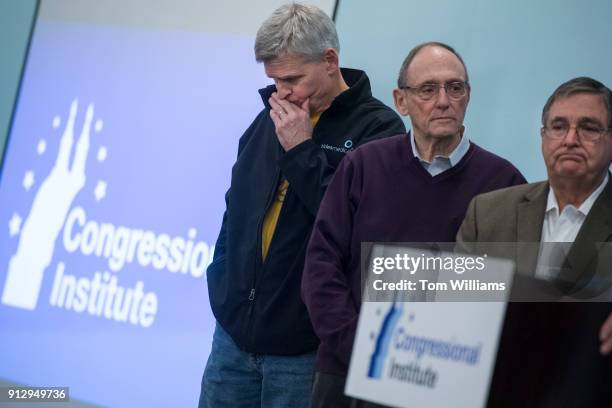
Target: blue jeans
[234,378]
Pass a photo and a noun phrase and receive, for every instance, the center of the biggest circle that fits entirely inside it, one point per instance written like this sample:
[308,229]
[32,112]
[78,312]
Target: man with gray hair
[561,350]
[263,346]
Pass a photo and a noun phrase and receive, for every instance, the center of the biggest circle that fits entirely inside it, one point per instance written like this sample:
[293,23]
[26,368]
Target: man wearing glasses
[407,188]
[569,363]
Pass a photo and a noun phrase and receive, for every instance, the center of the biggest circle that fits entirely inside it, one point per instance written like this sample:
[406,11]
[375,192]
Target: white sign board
[430,354]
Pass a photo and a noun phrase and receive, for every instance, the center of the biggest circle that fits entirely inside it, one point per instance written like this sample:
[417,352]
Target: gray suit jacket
[549,352]
[516,214]
[508,215]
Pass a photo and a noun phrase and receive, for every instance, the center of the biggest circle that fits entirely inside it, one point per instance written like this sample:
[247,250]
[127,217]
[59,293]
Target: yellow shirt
[271,218]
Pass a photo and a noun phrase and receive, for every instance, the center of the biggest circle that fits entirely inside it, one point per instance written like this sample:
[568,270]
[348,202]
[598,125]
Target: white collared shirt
[562,228]
[441,163]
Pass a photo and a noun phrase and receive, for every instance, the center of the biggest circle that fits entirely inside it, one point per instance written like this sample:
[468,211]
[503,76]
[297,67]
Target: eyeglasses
[426,91]
[586,132]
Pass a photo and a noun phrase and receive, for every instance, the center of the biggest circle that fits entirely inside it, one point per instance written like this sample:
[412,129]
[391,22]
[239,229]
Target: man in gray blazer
[557,354]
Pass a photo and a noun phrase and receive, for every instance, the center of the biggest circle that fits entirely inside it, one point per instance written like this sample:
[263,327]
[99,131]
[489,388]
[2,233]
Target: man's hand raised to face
[292,122]
[605,336]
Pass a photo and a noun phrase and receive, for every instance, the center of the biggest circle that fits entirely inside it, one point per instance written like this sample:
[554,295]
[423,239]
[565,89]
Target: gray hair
[576,86]
[296,29]
[415,51]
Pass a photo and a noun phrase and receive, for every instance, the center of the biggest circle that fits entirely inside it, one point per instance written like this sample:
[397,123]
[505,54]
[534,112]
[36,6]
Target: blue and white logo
[51,203]
[383,340]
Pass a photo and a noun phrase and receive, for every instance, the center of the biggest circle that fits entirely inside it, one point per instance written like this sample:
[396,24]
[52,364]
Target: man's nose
[282,90]
[442,100]
[571,138]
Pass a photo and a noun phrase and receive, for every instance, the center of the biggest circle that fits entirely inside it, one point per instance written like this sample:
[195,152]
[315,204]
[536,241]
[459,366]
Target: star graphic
[41,147]
[102,153]
[28,180]
[56,122]
[98,125]
[15,225]
[100,190]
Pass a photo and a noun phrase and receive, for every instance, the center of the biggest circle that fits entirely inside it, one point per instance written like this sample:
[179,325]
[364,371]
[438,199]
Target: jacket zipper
[251,298]
[259,263]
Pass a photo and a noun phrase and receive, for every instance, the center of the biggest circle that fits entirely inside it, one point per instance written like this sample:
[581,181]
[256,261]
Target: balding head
[436,47]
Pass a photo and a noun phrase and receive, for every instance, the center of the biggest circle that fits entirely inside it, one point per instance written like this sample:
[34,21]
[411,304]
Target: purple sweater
[381,193]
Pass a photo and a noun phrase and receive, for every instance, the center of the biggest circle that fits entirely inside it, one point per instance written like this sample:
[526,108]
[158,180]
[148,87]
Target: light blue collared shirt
[440,163]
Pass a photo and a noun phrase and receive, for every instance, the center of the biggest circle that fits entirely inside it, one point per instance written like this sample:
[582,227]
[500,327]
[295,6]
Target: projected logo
[58,227]
[383,340]
[50,206]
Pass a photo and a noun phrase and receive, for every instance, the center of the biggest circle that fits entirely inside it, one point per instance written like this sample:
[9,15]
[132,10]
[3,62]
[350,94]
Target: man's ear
[469,91]
[401,102]
[332,60]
